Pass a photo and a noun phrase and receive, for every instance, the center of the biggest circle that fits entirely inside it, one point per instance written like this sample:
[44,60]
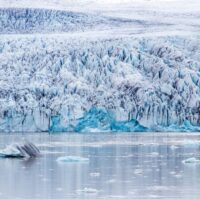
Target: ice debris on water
[95,174]
[10,151]
[25,150]
[138,171]
[173,147]
[192,160]
[88,191]
[73,159]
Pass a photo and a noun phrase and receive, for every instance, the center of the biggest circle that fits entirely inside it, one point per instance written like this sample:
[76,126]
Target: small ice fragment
[178,176]
[138,171]
[154,154]
[153,196]
[173,147]
[158,188]
[111,181]
[94,174]
[72,159]
[51,152]
[88,191]
[192,160]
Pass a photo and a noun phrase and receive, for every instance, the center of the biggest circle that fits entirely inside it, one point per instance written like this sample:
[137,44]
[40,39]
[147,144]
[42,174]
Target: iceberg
[10,151]
[26,150]
[192,160]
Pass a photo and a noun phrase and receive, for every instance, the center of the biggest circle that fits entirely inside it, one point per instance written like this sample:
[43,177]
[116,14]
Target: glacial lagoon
[104,166]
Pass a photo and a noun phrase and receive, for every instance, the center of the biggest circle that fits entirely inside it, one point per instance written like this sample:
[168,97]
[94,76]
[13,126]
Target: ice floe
[192,160]
[72,159]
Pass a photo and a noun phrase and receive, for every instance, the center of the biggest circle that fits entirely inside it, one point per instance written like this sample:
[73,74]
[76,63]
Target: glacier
[27,20]
[98,68]
[129,84]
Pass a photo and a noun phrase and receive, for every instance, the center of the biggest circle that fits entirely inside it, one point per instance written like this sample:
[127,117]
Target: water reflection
[120,166]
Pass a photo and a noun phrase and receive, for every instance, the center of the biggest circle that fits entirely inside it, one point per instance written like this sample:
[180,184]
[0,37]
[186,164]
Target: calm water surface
[120,166]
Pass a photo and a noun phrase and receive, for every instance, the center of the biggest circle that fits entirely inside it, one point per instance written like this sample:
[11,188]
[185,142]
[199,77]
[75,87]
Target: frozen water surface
[120,166]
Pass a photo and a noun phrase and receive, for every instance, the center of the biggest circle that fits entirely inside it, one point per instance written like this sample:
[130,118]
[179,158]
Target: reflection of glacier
[61,85]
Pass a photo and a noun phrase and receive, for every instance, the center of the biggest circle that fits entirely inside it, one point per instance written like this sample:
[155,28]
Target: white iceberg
[25,150]
[192,160]
[10,151]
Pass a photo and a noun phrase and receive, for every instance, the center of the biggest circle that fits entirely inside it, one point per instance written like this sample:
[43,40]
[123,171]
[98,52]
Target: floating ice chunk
[158,188]
[154,154]
[52,152]
[88,191]
[72,159]
[20,150]
[173,147]
[138,171]
[178,176]
[153,196]
[192,160]
[95,174]
[111,181]
[173,173]
[10,151]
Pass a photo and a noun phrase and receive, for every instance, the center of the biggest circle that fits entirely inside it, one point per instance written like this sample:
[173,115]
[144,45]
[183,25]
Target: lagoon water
[107,166]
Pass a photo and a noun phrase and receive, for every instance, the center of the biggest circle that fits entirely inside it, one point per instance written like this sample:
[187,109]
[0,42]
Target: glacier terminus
[93,68]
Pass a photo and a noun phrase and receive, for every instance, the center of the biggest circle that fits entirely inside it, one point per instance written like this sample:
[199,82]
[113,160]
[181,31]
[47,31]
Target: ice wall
[128,84]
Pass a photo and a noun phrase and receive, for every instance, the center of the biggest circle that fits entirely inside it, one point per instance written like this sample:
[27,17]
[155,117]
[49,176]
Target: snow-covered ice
[127,84]
[10,151]
[90,66]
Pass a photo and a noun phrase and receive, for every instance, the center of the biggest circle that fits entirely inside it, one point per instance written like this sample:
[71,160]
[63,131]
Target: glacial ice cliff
[66,71]
[127,84]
